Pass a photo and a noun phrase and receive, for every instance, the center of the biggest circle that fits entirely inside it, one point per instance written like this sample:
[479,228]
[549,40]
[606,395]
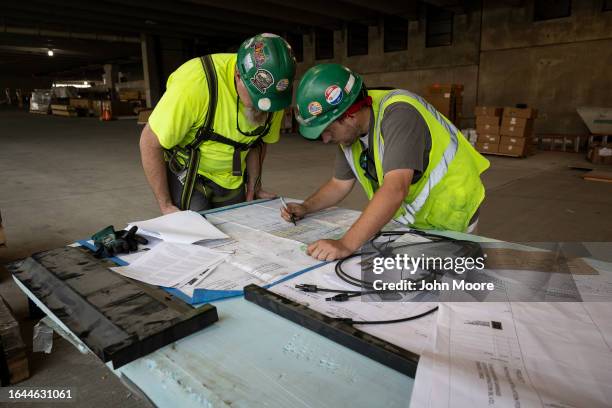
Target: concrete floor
[65,178]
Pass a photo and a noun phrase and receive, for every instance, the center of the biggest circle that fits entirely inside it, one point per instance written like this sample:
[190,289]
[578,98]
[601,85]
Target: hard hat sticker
[315,108]
[258,53]
[282,85]
[262,80]
[333,94]
[264,104]
[249,42]
[247,62]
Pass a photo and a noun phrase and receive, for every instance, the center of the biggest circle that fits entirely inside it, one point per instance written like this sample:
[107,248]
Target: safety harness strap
[192,149]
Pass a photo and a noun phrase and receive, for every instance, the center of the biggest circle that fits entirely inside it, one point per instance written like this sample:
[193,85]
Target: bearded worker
[205,142]
[412,162]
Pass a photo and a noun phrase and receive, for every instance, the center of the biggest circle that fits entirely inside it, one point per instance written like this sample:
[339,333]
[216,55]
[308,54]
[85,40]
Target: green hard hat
[325,92]
[267,68]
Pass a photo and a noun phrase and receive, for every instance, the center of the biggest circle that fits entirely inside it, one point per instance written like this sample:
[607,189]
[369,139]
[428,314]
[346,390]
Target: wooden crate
[13,359]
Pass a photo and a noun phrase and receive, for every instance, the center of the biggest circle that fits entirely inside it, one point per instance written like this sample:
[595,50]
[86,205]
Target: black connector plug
[340,297]
[306,287]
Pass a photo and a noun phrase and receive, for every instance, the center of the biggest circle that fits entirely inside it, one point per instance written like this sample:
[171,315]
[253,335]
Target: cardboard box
[517,122]
[487,120]
[527,113]
[488,129]
[600,154]
[129,94]
[441,103]
[513,140]
[143,116]
[445,89]
[447,99]
[488,138]
[63,110]
[487,147]
[512,149]
[524,130]
[79,103]
[488,111]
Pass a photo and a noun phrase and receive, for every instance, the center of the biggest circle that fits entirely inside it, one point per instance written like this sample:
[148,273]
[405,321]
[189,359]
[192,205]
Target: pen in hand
[284,204]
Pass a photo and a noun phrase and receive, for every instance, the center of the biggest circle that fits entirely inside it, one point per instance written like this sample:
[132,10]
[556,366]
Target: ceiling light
[50,53]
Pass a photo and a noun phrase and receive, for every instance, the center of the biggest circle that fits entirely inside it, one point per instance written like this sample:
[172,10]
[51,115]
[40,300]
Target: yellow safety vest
[450,190]
[217,158]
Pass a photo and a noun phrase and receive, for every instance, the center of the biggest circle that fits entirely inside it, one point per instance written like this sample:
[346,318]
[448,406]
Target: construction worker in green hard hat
[207,136]
[412,162]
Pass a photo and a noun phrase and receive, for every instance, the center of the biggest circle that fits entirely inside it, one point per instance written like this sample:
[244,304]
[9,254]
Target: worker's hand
[259,194]
[297,210]
[328,250]
[169,209]
[262,194]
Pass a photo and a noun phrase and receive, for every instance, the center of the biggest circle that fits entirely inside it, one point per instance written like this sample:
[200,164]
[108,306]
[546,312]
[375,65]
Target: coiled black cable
[368,287]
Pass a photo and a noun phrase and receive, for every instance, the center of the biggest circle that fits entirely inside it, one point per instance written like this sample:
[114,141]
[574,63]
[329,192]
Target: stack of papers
[170,265]
[184,227]
[517,354]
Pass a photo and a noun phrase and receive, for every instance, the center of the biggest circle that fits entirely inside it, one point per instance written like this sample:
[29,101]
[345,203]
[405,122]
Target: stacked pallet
[507,134]
[63,110]
[488,119]
[516,131]
[447,99]
[130,95]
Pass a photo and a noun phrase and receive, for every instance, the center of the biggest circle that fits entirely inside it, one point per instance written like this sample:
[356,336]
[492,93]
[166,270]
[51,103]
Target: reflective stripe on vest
[410,209]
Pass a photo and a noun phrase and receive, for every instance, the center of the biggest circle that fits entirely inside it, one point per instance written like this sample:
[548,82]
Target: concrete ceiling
[80,31]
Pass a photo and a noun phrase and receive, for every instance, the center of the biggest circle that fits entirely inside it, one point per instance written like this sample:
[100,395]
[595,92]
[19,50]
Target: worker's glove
[109,242]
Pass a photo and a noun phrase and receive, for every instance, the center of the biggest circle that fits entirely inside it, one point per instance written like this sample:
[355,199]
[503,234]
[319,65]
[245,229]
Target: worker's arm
[152,156]
[328,195]
[380,211]
[254,166]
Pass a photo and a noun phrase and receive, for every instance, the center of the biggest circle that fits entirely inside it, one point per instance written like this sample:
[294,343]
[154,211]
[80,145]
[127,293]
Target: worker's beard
[255,116]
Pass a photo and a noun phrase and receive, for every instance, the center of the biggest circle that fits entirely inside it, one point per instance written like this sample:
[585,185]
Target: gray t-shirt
[407,143]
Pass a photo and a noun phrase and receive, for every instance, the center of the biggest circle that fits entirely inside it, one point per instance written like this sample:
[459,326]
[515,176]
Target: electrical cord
[400,320]
[343,295]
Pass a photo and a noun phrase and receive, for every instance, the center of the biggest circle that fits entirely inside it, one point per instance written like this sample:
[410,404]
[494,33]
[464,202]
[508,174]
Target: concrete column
[110,77]
[150,66]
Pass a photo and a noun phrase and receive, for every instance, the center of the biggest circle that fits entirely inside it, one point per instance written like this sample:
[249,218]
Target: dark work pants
[206,195]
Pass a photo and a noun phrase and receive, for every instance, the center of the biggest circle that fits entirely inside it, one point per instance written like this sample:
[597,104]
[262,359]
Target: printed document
[170,264]
[183,227]
[519,354]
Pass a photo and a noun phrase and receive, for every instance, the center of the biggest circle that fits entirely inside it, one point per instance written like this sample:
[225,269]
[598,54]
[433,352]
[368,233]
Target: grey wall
[502,58]
[553,65]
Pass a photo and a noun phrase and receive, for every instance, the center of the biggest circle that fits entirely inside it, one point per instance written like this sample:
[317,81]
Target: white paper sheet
[254,257]
[184,227]
[520,354]
[331,223]
[170,264]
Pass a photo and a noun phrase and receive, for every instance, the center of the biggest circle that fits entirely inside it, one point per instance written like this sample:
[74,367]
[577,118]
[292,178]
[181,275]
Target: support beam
[204,14]
[5,29]
[330,8]
[262,9]
[151,70]
[67,18]
[396,7]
